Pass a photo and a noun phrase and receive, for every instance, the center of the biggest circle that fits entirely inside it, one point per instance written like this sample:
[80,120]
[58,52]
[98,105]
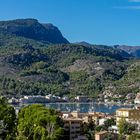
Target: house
[81,98]
[102,120]
[137,99]
[34,99]
[113,129]
[131,115]
[106,135]
[101,135]
[78,114]
[13,101]
[88,117]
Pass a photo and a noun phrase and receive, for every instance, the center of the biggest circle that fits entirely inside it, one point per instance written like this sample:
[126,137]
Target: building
[34,99]
[131,115]
[13,101]
[101,135]
[101,121]
[113,129]
[77,114]
[90,116]
[81,98]
[137,99]
[106,135]
[66,115]
[72,127]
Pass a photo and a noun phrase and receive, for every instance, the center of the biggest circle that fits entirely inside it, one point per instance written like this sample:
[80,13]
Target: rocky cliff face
[31,28]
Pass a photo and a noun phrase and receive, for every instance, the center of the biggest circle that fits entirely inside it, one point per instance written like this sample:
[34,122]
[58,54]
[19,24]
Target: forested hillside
[29,66]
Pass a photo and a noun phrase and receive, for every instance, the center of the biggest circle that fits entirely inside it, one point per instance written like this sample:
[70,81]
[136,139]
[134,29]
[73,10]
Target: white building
[102,120]
[81,98]
[34,99]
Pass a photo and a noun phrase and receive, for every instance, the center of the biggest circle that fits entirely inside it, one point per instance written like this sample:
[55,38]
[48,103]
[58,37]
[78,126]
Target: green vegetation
[29,64]
[88,129]
[108,123]
[7,121]
[34,122]
[129,83]
[126,128]
[134,136]
[60,69]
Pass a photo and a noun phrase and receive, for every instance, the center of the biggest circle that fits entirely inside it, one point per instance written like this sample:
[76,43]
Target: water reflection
[85,107]
[82,107]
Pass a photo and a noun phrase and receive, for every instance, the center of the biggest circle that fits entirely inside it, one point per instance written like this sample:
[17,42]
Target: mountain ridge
[35,67]
[132,50]
[31,28]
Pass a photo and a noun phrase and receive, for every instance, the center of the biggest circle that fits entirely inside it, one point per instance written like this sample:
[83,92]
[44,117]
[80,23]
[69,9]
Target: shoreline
[97,103]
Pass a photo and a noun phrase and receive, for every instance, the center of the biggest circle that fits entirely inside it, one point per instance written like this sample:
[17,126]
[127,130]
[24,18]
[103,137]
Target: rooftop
[125,109]
[72,119]
[101,133]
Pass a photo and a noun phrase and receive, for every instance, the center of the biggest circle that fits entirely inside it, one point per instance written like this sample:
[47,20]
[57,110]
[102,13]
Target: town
[70,70]
[106,126]
[105,98]
[93,125]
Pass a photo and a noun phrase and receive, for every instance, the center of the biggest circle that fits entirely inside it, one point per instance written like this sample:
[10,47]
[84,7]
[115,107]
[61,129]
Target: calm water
[84,107]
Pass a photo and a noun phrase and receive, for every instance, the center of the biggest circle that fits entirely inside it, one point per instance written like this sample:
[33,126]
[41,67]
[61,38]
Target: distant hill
[32,29]
[132,50]
[84,43]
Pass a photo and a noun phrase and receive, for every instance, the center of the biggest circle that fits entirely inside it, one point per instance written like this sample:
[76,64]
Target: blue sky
[96,21]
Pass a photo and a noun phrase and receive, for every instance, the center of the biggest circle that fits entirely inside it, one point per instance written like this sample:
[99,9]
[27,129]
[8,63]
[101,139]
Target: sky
[108,22]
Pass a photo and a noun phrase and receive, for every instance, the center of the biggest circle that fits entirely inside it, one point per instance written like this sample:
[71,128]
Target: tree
[35,122]
[7,121]
[88,129]
[122,126]
[108,123]
[99,128]
[126,128]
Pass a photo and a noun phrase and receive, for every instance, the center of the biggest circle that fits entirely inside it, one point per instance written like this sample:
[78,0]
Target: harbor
[81,107]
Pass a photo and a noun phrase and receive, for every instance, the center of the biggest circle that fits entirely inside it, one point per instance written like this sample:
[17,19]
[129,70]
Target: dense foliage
[126,128]
[60,69]
[7,121]
[36,122]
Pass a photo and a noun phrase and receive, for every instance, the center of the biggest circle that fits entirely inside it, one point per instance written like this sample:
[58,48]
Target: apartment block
[72,127]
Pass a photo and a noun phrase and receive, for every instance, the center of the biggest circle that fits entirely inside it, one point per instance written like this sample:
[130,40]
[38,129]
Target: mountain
[32,29]
[32,64]
[84,43]
[132,50]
